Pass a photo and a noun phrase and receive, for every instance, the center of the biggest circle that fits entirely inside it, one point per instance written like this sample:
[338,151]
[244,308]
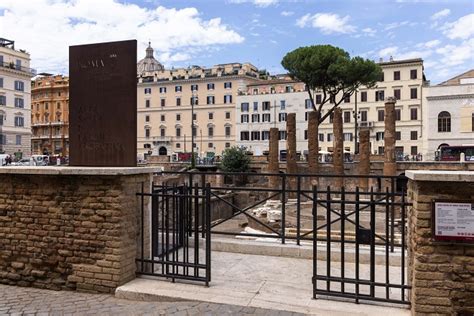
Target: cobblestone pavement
[30,301]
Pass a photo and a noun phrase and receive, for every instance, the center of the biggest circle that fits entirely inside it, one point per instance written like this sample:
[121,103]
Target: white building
[261,108]
[15,99]
[449,113]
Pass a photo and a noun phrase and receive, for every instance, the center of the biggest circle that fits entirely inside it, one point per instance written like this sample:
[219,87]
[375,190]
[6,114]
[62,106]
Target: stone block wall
[441,274]
[69,232]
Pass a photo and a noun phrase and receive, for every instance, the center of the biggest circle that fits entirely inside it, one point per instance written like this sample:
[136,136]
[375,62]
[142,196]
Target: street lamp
[193,159]
[356,116]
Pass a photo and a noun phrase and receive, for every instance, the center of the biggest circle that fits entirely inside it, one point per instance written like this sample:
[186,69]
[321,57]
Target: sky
[209,32]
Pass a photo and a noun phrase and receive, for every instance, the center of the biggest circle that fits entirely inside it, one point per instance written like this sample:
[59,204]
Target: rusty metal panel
[103,104]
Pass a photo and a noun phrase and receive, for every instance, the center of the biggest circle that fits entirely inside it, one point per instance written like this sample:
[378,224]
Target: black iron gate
[359,244]
[176,238]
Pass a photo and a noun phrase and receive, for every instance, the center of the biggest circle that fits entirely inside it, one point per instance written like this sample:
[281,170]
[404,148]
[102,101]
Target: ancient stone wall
[441,274]
[70,232]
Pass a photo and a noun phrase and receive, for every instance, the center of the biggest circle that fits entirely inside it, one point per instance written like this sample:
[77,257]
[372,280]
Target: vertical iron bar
[387,263]
[298,210]
[392,216]
[173,230]
[204,201]
[357,244]
[154,226]
[328,238]
[190,201]
[162,228]
[167,228]
[187,227]
[315,240]
[196,230]
[143,224]
[403,244]
[283,207]
[208,234]
[343,218]
[372,243]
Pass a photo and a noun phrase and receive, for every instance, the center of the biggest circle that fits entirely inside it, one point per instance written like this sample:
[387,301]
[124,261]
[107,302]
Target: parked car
[40,160]
[23,162]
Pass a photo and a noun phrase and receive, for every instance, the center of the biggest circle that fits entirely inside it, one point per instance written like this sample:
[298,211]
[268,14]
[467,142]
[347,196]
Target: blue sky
[208,32]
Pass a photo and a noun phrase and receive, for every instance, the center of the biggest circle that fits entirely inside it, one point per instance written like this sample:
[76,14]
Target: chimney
[381,60]
[391,58]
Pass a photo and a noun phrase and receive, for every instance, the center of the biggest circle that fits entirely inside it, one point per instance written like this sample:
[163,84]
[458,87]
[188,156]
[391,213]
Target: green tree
[332,71]
[235,159]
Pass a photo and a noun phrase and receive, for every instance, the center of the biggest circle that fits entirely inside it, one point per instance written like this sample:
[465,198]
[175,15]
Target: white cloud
[440,14]
[258,3]
[46,28]
[452,55]
[395,25]
[463,28]
[287,13]
[328,23]
[369,31]
[388,51]
[429,44]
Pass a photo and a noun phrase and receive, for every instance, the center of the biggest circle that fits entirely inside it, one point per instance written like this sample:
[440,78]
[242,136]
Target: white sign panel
[454,221]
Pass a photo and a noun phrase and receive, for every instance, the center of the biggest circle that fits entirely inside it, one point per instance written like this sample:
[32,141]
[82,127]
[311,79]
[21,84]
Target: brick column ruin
[273,163]
[313,145]
[390,165]
[364,158]
[291,166]
[338,143]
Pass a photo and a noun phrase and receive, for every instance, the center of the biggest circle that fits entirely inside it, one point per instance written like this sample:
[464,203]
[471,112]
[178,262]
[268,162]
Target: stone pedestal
[441,274]
[291,166]
[338,143]
[313,144]
[364,158]
[72,227]
[273,163]
[390,166]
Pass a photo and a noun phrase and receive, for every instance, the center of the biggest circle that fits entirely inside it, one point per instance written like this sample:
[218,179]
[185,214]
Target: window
[397,94]
[414,135]
[210,145]
[307,104]
[162,89]
[414,150]
[18,139]
[329,137]
[379,135]
[305,134]
[244,107]
[413,74]
[413,93]
[255,90]
[178,101]
[147,118]
[444,122]
[227,131]
[227,85]
[363,116]
[19,121]
[347,116]
[1,82]
[472,122]
[347,137]
[318,99]
[347,99]
[255,106]
[381,114]
[3,100]
[331,117]
[162,118]
[227,145]
[178,145]
[163,102]
[227,115]
[282,117]
[3,139]
[398,135]
[46,106]
[265,135]
[1,119]
[227,99]
[211,116]
[210,99]
[396,75]
[413,113]
[255,135]
[58,106]
[332,99]
[379,95]
[210,131]
[321,137]
[382,76]
[255,118]
[306,116]
[194,132]
[282,105]
[19,86]
[194,87]
[210,86]
[178,131]
[194,116]
[398,114]
[147,90]
[266,117]
[363,96]
[18,64]
[244,118]
[244,136]
[147,132]
[266,106]
[162,132]
[194,100]
[178,117]
[381,150]
[178,88]
[282,135]
[288,89]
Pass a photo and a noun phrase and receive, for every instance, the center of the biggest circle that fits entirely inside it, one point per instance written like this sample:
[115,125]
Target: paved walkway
[29,301]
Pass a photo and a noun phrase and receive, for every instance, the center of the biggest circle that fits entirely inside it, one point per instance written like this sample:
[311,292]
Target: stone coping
[77,171]
[440,176]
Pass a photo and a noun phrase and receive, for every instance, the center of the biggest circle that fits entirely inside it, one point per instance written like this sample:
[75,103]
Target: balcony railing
[30,71]
[162,139]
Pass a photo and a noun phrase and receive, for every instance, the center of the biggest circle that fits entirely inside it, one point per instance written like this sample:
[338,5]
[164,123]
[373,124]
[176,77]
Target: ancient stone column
[313,145]
[338,143]
[273,163]
[364,158]
[390,165]
[291,166]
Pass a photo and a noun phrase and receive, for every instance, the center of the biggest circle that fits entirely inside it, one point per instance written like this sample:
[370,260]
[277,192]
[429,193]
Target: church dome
[149,63]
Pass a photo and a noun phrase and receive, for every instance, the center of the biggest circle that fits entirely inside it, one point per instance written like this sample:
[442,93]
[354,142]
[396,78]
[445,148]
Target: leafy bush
[235,159]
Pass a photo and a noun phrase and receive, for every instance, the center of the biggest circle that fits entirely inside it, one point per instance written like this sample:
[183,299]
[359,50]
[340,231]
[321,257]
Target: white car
[23,162]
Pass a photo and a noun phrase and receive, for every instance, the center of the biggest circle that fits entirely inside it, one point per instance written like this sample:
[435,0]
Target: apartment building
[449,113]
[15,99]
[165,99]
[50,115]
[402,79]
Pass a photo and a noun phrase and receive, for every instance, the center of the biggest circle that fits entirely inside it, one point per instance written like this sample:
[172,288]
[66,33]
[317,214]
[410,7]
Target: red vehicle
[453,153]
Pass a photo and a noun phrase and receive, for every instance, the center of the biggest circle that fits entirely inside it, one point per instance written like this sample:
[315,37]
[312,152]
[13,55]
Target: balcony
[12,66]
[39,124]
[159,140]
[366,124]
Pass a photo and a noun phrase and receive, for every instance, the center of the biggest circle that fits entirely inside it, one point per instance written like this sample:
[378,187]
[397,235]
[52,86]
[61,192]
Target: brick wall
[442,275]
[69,232]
